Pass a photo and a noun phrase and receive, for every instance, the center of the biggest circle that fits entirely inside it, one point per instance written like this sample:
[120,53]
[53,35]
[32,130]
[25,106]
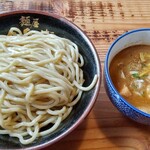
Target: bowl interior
[63,28]
[135,37]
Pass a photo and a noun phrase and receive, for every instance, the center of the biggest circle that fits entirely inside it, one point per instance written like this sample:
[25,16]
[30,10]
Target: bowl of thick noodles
[49,78]
[127,74]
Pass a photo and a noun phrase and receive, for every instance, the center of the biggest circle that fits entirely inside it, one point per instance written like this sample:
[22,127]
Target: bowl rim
[98,69]
[107,74]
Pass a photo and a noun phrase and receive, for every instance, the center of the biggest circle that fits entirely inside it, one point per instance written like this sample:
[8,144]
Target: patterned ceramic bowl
[134,37]
[64,28]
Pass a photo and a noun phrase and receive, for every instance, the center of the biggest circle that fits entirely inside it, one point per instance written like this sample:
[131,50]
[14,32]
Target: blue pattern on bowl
[119,102]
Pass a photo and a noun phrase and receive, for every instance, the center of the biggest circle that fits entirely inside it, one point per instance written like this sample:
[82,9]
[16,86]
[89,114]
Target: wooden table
[102,20]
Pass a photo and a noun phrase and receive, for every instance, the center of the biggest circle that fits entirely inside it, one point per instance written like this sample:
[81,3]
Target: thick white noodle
[40,81]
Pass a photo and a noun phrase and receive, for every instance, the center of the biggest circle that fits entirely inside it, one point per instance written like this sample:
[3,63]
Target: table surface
[103,21]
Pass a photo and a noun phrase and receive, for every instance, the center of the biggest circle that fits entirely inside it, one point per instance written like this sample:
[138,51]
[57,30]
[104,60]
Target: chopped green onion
[136,75]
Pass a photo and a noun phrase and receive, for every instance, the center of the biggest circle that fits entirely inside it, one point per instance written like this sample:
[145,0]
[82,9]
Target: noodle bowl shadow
[63,28]
[131,38]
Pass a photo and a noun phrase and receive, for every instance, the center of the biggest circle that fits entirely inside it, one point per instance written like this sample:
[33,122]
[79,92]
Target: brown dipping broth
[130,74]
